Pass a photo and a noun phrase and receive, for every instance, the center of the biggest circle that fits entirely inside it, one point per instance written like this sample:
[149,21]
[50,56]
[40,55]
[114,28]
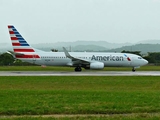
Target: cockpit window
[139,57]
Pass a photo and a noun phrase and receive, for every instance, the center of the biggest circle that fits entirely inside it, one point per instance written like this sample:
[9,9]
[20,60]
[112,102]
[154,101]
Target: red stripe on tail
[9,26]
[14,38]
[16,44]
[11,32]
[24,50]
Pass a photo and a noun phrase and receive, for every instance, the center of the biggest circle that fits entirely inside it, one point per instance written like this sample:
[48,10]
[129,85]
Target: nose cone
[145,62]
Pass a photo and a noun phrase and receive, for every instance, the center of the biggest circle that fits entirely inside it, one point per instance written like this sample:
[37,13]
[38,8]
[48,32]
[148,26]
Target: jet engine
[97,65]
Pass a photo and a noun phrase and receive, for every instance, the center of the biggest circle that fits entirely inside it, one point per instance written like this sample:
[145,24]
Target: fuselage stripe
[27,56]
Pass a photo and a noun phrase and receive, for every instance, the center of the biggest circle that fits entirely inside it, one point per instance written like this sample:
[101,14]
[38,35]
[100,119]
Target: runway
[83,73]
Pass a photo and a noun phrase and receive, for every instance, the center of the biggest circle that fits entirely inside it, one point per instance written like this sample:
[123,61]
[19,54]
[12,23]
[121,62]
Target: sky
[50,21]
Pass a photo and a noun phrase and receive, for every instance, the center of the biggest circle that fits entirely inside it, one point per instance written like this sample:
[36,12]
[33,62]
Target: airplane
[88,60]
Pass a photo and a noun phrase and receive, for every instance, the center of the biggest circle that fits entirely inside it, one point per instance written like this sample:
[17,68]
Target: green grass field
[51,68]
[118,97]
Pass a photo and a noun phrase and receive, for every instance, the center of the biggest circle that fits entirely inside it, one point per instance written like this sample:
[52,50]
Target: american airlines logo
[107,58]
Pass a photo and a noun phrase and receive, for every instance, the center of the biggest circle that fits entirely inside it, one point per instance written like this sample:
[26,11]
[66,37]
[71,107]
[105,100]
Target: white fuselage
[109,59]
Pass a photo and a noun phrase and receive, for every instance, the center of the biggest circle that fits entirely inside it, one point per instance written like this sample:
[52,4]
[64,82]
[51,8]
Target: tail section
[18,42]
[22,50]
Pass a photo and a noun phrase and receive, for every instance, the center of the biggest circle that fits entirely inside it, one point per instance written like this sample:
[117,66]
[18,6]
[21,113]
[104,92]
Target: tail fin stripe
[19,36]
[20,39]
[15,41]
[16,44]
[23,50]
[10,26]
[20,47]
[12,35]
[11,32]
[15,32]
[24,44]
[20,44]
[14,29]
[14,38]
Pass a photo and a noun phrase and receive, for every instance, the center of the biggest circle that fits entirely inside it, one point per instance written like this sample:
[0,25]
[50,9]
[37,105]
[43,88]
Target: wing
[76,61]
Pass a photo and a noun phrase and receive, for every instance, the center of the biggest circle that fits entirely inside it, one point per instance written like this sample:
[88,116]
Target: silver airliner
[88,60]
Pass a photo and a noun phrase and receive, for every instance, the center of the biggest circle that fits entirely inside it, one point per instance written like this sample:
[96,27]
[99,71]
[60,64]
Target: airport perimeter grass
[113,95]
[53,68]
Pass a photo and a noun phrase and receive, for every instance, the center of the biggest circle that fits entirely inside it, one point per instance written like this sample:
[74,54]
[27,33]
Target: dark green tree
[153,57]
[6,59]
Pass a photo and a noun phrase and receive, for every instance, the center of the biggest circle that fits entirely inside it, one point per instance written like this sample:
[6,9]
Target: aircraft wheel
[78,69]
[75,69]
[133,69]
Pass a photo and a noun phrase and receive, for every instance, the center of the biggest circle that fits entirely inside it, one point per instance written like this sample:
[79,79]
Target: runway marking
[88,73]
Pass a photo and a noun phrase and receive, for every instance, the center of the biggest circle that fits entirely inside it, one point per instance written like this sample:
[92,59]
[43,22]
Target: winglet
[67,53]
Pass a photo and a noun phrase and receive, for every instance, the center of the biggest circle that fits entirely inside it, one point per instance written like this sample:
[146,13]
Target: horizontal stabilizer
[14,54]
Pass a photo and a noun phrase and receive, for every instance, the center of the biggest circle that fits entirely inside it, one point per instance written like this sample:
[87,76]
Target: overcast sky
[50,21]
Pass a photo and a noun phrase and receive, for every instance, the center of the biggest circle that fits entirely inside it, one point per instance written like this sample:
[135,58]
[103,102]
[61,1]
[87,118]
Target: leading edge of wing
[82,61]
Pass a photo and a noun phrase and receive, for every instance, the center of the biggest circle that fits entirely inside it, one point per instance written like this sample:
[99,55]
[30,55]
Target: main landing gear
[78,69]
[133,69]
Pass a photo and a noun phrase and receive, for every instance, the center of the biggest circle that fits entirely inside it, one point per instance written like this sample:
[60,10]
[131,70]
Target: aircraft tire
[78,69]
[133,69]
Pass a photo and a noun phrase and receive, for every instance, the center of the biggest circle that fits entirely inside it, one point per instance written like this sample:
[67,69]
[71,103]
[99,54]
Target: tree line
[7,59]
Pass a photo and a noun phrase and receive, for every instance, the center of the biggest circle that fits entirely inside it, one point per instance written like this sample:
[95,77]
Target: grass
[34,68]
[53,68]
[118,117]
[110,95]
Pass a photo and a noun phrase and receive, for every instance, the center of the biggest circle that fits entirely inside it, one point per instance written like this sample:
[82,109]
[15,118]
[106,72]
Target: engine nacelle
[97,65]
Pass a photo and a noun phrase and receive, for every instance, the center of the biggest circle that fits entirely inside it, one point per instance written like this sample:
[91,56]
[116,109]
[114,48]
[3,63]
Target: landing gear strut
[78,69]
[133,69]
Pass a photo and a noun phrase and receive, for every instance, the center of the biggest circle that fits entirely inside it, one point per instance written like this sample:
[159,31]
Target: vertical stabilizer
[18,42]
